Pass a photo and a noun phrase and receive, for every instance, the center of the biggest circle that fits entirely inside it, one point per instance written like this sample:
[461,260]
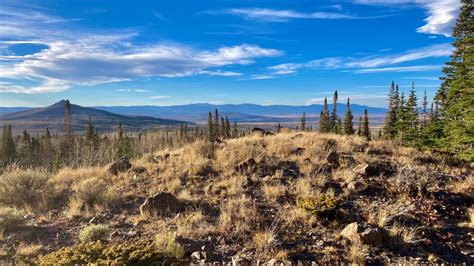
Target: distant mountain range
[141,117]
[237,112]
[37,119]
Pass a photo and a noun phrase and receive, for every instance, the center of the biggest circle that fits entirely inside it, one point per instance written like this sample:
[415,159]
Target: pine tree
[365,125]
[391,117]
[432,134]
[303,122]
[8,146]
[456,93]
[412,120]
[24,149]
[210,127]
[324,119]
[333,119]
[348,125]
[424,114]
[227,127]
[123,144]
[236,131]
[278,128]
[216,124]
[67,138]
[359,126]
[401,124]
[222,130]
[339,126]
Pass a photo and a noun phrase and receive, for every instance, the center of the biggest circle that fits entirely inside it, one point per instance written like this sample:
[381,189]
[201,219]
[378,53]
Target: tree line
[449,124]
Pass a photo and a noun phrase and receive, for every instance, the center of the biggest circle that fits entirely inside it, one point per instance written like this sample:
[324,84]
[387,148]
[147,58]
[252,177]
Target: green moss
[127,253]
[319,205]
[93,232]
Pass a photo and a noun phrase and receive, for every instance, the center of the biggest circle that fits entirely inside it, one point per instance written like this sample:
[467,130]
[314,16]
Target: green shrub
[9,218]
[89,194]
[166,244]
[26,189]
[127,253]
[93,232]
[318,205]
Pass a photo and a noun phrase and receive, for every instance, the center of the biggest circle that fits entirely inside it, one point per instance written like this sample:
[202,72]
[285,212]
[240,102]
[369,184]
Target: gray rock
[161,204]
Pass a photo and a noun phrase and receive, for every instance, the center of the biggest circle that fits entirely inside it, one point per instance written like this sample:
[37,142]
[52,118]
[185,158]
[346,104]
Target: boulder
[121,165]
[380,152]
[246,166]
[161,204]
[333,159]
[139,170]
[200,257]
[378,168]
[297,151]
[329,145]
[365,234]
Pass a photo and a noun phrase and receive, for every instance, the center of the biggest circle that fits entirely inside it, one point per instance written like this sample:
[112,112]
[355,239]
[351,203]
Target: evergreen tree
[278,128]
[123,144]
[339,126]
[432,134]
[222,130]
[216,124]
[324,123]
[67,138]
[412,121]
[348,125]
[424,114]
[391,117]
[359,127]
[333,119]
[24,149]
[365,125]
[303,122]
[401,124]
[8,146]
[236,131]
[456,93]
[227,127]
[210,127]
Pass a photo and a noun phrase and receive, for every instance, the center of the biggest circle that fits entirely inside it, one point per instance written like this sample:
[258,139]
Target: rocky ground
[287,197]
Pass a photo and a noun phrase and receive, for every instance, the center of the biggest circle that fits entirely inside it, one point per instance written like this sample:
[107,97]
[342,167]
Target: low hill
[37,119]
[293,196]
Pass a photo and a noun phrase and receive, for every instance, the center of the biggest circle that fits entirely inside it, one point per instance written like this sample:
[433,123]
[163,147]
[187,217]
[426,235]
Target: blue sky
[222,51]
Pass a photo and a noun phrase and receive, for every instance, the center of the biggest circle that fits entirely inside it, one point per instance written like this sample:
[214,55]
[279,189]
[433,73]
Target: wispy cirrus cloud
[220,73]
[133,90]
[399,69]
[91,57]
[371,64]
[280,15]
[442,14]
[159,97]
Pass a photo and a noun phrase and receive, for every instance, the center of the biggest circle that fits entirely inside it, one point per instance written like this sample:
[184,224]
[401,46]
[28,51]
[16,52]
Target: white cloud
[47,86]
[440,50]
[442,14]
[159,97]
[220,73]
[274,15]
[257,77]
[91,57]
[399,69]
[132,90]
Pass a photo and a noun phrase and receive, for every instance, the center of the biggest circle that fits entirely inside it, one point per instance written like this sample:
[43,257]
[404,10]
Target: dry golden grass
[264,240]
[247,206]
[273,192]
